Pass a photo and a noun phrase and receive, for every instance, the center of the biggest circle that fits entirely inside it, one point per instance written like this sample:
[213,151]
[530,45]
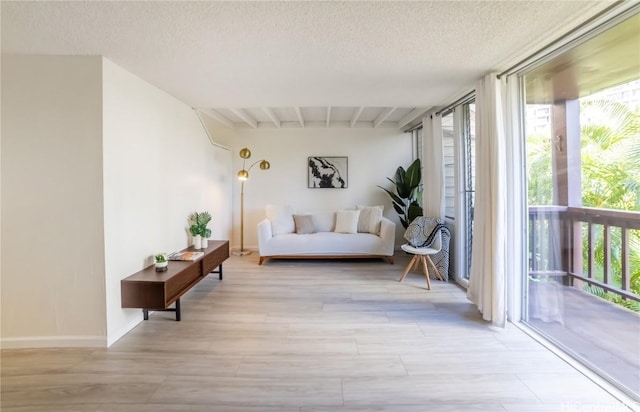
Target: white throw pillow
[370,219]
[281,218]
[347,221]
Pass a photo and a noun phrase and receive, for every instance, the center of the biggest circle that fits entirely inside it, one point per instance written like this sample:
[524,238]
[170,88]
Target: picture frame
[327,172]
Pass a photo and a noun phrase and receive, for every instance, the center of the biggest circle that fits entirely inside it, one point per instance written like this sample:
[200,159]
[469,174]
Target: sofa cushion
[324,221]
[370,219]
[347,221]
[304,224]
[281,218]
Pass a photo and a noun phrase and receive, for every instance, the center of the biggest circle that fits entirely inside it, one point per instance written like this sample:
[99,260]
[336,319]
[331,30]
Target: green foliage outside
[610,162]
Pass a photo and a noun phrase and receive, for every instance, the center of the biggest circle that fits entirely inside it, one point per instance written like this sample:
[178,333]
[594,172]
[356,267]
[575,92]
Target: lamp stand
[243,175]
[241,252]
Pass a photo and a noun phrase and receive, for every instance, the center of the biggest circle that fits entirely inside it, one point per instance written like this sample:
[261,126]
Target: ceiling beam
[246,117]
[328,115]
[356,116]
[413,115]
[382,117]
[272,116]
[299,114]
[217,116]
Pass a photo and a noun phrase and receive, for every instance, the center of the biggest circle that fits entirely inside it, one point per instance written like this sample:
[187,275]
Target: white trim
[356,116]
[593,26]
[216,116]
[54,342]
[114,337]
[299,114]
[213,142]
[383,116]
[246,117]
[272,116]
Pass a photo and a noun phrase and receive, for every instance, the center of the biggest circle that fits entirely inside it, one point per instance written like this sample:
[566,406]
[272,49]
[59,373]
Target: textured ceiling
[248,62]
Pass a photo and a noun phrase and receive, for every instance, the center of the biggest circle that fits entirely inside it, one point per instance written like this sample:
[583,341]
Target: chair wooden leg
[416,263]
[408,268]
[435,268]
[426,271]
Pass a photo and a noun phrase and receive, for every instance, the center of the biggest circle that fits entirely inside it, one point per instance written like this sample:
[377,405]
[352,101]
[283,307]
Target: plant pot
[204,243]
[197,242]
[162,266]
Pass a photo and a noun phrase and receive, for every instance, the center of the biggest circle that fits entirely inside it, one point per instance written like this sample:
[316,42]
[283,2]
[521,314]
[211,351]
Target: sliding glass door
[583,174]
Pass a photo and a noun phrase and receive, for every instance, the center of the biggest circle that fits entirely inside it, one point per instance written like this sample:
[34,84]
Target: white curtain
[516,206]
[432,167]
[487,282]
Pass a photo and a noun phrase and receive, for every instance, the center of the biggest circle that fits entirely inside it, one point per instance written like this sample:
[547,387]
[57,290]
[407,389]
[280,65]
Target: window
[448,149]
[469,136]
[458,146]
[583,175]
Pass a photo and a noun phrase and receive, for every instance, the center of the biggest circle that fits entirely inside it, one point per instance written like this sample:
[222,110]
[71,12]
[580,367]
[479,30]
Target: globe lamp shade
[243,175]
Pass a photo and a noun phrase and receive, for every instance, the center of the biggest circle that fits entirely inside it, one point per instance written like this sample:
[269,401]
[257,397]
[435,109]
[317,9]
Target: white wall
[98,173]
[159,166]
[374,154]
[52,250]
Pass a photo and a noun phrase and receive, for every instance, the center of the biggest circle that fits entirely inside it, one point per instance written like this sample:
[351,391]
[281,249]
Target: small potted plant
[195,234]
[161,262]
[206,234]
[199,229]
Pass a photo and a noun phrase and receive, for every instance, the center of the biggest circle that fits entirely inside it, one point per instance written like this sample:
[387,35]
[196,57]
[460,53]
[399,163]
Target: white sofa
[315,235]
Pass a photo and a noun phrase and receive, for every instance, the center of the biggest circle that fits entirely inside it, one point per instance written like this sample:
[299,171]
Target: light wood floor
[306,336]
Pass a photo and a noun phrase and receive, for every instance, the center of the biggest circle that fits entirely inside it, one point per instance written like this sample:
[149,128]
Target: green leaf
[400,174]
[204,218]
[394,197]
[399,210]
[413,175]
[414,211]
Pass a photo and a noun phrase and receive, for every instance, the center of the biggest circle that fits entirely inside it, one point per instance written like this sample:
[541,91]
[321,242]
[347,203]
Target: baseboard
[114,337]
[54,342]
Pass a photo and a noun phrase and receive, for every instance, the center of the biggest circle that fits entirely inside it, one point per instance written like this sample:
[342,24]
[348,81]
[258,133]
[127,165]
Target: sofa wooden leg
[389,259]
[261,261]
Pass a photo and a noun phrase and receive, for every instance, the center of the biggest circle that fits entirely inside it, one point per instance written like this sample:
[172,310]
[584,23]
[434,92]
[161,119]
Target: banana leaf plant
[407,192]
[199,223]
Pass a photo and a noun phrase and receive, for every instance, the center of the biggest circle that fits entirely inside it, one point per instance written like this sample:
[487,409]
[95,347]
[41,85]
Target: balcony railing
[561,238]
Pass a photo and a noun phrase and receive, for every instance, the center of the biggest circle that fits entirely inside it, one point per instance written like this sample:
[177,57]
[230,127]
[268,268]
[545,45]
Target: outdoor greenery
[610,174]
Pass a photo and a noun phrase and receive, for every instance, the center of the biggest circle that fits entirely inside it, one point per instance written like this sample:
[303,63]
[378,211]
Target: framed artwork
[327,172]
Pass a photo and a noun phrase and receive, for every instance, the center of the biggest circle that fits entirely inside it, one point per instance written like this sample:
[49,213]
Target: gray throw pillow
[304,224]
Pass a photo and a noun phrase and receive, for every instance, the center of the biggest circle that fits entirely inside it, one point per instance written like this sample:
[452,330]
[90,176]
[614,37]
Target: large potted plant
[199,229]
[405,199]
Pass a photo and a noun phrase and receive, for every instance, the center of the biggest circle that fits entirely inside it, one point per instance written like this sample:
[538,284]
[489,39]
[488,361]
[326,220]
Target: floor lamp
[243,176]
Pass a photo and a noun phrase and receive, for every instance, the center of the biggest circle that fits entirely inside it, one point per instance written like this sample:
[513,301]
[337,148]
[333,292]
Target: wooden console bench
[151,290]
